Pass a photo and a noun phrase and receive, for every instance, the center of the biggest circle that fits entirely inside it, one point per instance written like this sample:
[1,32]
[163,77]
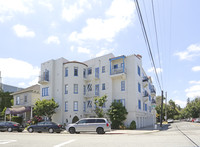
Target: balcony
[145,96]
[43,79]
[145,81]
[88,95]
[118,72]
[153,91]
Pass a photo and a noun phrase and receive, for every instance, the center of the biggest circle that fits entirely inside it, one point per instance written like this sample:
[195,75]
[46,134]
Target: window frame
[66,106]
[75,105]
[122,85]
[103,69]
[103,86]
[66,88]
[76,71]
[75,88]
[66,72]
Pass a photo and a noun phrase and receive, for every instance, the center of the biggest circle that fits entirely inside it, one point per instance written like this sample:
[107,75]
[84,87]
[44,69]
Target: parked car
[10,126]
[45,126]
[99,125]
[170,120]
[197,120]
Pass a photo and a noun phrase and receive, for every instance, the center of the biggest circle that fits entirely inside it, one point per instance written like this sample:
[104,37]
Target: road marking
[7,141]
[64,143]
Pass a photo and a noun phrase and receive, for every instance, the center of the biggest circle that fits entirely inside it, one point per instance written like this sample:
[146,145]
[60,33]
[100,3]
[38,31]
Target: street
[178,134]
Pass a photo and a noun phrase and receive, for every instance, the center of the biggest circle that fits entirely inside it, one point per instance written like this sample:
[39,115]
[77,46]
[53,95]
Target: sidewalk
[145,130]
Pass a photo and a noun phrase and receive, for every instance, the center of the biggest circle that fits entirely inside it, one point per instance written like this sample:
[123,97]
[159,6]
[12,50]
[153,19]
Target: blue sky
[33,31]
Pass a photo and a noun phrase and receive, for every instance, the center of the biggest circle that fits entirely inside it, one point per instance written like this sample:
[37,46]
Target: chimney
[139,56]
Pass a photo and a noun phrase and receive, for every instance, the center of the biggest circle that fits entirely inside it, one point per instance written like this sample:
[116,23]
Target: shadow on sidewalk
[151,128]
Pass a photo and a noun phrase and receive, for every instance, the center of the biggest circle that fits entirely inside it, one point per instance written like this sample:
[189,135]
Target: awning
[18,110]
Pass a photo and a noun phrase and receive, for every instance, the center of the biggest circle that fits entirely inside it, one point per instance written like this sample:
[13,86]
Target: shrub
[17,119]
[133,125]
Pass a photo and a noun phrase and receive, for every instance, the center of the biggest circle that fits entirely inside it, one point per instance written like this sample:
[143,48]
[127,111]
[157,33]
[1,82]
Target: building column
[31,112]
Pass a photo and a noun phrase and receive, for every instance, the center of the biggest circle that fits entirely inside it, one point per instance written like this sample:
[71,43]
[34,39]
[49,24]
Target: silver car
[99,125]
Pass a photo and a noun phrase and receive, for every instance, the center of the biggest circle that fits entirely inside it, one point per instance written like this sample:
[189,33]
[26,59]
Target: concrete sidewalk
[145,130]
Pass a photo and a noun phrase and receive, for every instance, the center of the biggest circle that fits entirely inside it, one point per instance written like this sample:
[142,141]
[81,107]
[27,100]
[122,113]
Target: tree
[5,100]
[45,108]
[100,102]
[117,114]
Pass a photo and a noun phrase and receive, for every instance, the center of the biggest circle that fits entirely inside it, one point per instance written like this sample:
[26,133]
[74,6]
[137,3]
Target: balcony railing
[145,79]
[43,79]
[145,94]
[117,70]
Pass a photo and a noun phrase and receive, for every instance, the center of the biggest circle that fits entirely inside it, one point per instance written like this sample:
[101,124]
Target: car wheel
[100,131]
[10,129]
[30,130]
[72,130]
[77,132]
[51,130]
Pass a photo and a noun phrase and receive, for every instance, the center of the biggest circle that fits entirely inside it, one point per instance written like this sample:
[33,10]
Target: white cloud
[181,103]
[13,68]
[52,39]
[119,16]
[8,8]
[191,52]
[34,81]
[196,68]
[158,70]
[72,48]
[104,52]
[23,31]
[193,91]
[83,50]
[72,12]
[47,4]
[22,84]
[194,82]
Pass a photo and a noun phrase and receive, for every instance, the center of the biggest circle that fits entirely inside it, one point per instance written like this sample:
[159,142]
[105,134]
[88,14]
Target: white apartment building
[74,85]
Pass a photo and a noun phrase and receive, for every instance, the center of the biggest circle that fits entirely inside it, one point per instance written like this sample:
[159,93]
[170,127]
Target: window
[149,97]
[145,107]
[66,106]
[122,65]
[66,89]
[149,108]
[84,89]
[17,100]
[103,86]
[103,69]
[46,75]
[121,101]
[45,91]
[139,104]
[139,87]
[90,71]
[66,72]
[115,66]
[75,71]
[138,69]
[75,88]
[122,85]
[84,73]
[89,87]
[97,90]
[25,99]
[84,106]
[89,104]
[97,72]
[75,106]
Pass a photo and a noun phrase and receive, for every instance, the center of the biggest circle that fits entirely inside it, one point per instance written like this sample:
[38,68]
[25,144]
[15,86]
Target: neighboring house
[24,101]
[75,84]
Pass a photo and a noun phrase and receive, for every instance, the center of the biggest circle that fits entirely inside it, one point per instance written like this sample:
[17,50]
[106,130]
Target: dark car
[45,126]
[10,126]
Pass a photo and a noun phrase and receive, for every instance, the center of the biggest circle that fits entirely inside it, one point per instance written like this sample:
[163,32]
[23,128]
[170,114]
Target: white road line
[64,143]
[7,141]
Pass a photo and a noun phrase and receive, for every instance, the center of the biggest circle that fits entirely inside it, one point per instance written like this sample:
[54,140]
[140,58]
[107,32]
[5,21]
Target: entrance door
[75,119]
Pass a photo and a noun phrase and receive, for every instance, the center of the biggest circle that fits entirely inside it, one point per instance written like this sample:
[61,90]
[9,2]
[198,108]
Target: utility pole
[161,109]
[165,106]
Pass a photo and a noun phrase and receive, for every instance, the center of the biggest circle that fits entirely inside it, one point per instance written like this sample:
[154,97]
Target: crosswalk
[6,141]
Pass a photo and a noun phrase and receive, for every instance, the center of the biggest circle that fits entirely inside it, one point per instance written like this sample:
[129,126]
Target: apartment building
[74,85]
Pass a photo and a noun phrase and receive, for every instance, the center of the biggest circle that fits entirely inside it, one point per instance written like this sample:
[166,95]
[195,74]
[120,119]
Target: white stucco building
[75,84]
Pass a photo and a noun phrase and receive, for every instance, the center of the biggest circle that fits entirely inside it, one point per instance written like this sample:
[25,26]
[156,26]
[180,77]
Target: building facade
[24,101]
[75,84]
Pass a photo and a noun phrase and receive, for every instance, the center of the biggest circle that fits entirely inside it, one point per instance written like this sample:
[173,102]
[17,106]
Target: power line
[155,27]
[147,40]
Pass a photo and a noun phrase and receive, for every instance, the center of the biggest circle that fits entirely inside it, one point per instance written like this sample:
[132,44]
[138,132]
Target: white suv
[99,125]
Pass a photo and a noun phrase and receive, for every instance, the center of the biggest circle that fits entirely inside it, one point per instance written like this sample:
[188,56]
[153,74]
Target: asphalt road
[179,134]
